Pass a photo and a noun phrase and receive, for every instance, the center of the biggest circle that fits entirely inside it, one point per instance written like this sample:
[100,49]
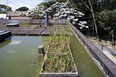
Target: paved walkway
[105,51]
[100,47]
[109,56]
[113,49]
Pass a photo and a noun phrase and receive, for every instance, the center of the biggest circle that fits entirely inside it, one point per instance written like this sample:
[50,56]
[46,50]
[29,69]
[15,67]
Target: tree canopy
[22,9]
[107,20]
[99,14]
[4,8]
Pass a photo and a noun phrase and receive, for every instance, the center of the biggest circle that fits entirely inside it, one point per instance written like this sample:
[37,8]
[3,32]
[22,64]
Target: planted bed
[58,61]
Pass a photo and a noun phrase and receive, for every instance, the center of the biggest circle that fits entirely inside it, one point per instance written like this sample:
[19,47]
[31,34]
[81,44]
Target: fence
[106,48]
[108,66]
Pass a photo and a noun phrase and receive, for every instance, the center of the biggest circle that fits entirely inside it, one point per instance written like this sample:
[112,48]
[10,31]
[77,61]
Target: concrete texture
[68,74]
[45,31]
[112,58]
[35,21]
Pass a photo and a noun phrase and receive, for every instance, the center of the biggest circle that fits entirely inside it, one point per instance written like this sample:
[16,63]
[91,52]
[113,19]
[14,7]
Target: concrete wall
[108,66]
[3,16]
[34,21]
[19,17]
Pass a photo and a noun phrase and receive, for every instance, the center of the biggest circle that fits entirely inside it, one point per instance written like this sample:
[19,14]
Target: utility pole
[7,7]
[7,2]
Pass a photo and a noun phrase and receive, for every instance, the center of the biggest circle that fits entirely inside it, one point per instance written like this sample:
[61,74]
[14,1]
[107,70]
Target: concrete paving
[24,31]
[112,58]
[32,30]
[37,31]
[46,31]
[105,51]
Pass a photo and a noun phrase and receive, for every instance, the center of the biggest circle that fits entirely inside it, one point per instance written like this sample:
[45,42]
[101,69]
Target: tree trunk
[93,16]
[96,30]
[113,38]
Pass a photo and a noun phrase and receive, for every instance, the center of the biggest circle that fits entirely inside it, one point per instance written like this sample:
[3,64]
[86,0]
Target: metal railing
[109,50]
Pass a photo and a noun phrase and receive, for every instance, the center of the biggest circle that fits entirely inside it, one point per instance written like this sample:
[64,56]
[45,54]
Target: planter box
[67,74]
[58,74]
[62,74]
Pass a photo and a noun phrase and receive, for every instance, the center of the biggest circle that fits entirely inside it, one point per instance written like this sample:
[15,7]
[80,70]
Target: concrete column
[46,18]
[41,50]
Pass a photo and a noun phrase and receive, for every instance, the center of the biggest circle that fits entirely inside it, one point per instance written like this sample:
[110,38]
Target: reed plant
[57,61]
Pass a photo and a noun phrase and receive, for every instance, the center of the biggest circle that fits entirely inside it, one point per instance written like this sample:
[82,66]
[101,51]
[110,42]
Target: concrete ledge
[67,74]
[107,65]
[62,74]
[34,21]
[4,35]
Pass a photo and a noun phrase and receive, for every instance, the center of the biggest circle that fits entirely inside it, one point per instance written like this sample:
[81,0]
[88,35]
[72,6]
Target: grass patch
[28,25]
[101,42]
[2,25]
[115,56]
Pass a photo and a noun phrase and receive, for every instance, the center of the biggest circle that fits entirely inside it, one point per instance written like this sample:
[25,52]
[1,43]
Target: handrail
[110,51]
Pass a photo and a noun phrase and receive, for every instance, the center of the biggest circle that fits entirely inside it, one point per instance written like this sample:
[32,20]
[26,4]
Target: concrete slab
[32,30]
[24,31]
[46,31]
[3,28]
[37,31]
[111,57]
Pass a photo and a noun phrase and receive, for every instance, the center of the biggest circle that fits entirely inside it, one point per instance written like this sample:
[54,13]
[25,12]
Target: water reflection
[4,43]
[19,57]
[15,42]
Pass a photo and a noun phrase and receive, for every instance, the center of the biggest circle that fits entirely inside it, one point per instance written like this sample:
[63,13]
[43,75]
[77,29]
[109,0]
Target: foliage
[2,25]
[25,23]
[4,8]
[104,11]
[58,58]
[35,16]
[46,4]
[106,4]
[107,20]
[22,9]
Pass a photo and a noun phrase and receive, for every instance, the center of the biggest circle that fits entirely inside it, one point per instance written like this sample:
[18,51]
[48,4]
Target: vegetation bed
[58,60]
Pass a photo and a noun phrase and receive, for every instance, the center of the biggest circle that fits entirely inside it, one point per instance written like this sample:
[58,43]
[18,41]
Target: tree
[22,9]
[46,4]
[107,20]
[88,5]
[106,4]
[4,8]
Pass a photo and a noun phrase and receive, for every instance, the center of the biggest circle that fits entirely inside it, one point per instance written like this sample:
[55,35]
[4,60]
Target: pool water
[85,64]
[19,56]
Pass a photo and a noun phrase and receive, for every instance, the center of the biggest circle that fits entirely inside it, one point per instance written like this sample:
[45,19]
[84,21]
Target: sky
[19,3]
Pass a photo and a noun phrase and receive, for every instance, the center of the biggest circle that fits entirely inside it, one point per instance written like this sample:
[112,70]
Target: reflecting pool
[19,56]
